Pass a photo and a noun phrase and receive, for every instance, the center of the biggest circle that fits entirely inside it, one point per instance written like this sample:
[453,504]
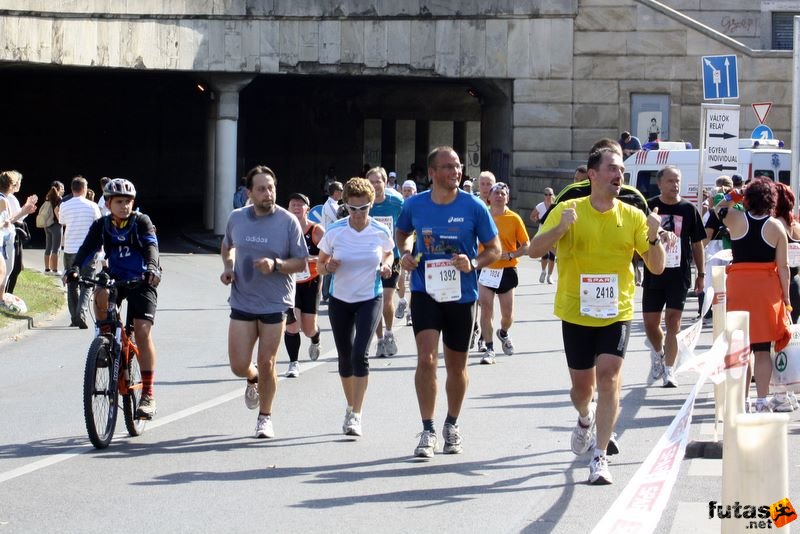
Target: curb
[204,243]
[28,323]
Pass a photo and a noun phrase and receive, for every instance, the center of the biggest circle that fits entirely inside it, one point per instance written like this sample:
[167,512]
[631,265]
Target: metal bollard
[719,312]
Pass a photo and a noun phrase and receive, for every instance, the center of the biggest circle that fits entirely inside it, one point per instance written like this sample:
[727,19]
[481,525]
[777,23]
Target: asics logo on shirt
[455,219]
[256,239]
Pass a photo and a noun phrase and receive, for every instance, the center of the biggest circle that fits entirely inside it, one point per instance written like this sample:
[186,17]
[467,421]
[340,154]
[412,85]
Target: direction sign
[720,77]
[761,110]
[762,132]
[721,142]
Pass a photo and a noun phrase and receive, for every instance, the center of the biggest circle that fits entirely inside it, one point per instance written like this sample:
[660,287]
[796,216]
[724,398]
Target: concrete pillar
[372,142]
[225,145]
[473,154]
[208,189]
[440,134]
[404,147]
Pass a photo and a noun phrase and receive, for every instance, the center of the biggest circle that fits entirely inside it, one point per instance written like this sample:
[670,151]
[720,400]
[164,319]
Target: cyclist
[131,248]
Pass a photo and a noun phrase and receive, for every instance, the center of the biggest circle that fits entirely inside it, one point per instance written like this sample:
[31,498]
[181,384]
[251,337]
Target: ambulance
[756,157]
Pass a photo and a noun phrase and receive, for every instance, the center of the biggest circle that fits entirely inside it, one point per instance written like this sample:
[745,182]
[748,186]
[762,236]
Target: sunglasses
[363,207]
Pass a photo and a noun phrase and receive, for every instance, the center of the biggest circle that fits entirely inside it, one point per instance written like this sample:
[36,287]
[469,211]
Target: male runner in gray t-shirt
[263,246]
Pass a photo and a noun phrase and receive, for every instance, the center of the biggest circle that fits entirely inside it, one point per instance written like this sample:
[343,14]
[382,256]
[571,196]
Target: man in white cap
[392,182]
[467,186]
[409,188]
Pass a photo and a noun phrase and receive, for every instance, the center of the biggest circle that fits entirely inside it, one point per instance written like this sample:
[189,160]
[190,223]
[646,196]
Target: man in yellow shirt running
[595,237]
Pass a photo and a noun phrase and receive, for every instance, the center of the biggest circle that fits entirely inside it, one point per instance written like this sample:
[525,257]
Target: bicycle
[112,369]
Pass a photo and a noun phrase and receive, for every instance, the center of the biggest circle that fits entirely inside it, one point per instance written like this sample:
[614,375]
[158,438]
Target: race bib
[490,277]
[387,220]
[600,295]
[442,280]
[302,276]
[793,252]
[673,258]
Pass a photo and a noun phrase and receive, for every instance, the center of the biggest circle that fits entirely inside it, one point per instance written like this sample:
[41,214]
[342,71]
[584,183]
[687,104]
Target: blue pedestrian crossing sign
[762,131]
[720,77]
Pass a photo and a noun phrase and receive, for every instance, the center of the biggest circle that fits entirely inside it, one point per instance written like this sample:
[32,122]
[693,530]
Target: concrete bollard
[735,384]
[763,464]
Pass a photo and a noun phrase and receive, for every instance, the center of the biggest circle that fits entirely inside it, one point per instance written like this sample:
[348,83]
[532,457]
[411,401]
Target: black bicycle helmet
[119,187]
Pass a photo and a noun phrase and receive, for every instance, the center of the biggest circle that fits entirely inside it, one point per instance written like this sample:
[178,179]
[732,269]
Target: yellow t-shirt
[598,243]
[511,231]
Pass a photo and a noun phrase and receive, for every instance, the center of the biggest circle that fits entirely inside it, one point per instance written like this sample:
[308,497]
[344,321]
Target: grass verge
[41,294]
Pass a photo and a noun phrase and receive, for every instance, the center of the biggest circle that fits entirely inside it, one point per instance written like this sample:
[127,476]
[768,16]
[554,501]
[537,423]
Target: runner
[357,251]
[595,238]
[549,259]
[448,223]
[262,248]
[386,209]
[307,291]
[679,218]
[500,278]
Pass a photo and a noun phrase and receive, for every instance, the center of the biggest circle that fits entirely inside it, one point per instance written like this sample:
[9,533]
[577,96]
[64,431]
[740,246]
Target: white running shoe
[598,471]
[656,361]
[313,352]
[550,279]
[389,344]
[669,379]
[488,358]
[251,396]
[427,444]
[401,309]
[352,426]
[481,345]
[408,318]
[452,439]
[264,427]
[780,403]
[476,334]
[583,437]
[792,400]
[542,277]
[508,345]
[761,407]
[380,350]
[294,370]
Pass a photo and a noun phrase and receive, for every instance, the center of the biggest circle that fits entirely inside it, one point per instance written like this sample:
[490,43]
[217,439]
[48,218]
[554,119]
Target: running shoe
[251,395]
[380,350]
[793,400]
[481,345]
[353,425]
[146,408]
[264,427]
[476,334]
[389,344]
[656,361]
[669,379]
[452,439]
[313,352]
[400,312]
[488,358]
[550,279]
[294,370]
[599,474]
[583,437]
[508,345]
[347,413]
[408,318]
[761,407]
[542,277]
[427,444]
[780,403]
[613,445]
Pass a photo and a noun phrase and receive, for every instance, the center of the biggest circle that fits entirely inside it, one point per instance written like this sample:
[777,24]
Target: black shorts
[142,301]
[454,320]
[671,295]
[266,318]
[391,282]
[306,296]
[582,344]
[508,281]
[550,256]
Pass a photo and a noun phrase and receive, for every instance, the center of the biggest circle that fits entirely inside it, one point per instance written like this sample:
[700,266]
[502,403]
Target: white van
[756,157]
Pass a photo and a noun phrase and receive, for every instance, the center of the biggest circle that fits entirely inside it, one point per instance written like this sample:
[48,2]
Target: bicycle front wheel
[131,399]
[99,393]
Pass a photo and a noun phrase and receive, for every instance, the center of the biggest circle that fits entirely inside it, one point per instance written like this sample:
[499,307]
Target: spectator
[629,143]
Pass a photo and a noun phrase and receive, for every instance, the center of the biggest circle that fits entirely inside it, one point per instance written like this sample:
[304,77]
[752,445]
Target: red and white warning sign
[761,110]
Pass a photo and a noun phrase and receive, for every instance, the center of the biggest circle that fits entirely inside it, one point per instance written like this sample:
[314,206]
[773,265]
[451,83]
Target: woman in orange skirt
[758,277]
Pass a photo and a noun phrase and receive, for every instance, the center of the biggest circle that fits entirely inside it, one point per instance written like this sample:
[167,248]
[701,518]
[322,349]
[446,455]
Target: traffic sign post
[719,144]
[720,77]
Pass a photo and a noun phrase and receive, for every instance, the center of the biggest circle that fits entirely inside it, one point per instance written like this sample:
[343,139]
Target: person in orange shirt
[500,278]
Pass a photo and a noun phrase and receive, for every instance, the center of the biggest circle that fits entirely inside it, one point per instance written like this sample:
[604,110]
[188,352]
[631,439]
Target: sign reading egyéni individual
[721,142]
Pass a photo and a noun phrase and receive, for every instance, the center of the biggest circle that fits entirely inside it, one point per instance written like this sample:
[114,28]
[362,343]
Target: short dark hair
[668,168]
[596,157]
[625,135]
[334,187]
[760,196]
[581,169]
[436,151]
[78,184]
[606,142]
[258,169]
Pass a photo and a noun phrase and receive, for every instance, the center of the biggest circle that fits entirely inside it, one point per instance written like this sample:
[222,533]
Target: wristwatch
[654,241]
[276,265]
[474,263]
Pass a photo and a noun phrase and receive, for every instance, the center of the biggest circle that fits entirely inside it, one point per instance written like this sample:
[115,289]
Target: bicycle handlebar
[108,282]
